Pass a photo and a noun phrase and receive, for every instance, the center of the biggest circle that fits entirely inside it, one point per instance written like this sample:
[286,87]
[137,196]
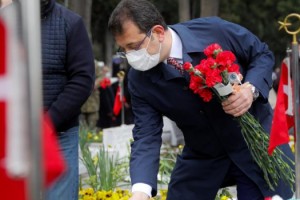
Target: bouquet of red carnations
[219,75]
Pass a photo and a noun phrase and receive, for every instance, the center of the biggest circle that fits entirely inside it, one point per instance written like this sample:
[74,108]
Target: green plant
[167,162]
[88,136]
[224,194]
[105,170]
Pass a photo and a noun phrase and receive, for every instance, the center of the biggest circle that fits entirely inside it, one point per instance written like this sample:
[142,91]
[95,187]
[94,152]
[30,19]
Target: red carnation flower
[205,94]
[225,58]
[212,50]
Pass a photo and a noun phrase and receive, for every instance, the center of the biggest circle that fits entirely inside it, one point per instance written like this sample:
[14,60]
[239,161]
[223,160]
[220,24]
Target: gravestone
[117,140]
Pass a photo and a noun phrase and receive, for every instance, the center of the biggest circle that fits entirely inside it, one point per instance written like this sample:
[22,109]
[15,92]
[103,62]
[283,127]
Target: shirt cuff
[142,187]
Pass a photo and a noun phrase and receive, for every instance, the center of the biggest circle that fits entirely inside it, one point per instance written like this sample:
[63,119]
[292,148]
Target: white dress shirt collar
[176,49]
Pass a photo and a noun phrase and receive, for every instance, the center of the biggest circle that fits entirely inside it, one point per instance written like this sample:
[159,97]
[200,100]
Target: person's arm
[80,73]
[254,56]
[256,65]
[145,150]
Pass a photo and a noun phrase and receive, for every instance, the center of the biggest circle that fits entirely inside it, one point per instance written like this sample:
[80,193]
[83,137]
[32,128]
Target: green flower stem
[273,167]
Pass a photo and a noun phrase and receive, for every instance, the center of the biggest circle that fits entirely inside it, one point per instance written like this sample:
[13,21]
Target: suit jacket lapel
[165,71]
[192,52]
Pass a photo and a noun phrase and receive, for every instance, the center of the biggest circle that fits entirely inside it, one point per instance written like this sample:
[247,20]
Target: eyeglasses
[121,51]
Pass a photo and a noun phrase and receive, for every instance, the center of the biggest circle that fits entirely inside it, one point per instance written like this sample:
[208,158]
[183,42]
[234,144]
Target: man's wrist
[142,187]
[139,196]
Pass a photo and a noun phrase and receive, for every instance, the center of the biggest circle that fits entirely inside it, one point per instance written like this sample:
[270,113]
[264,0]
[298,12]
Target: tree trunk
[84,9]
[209,8]
[184,10]
[109,42]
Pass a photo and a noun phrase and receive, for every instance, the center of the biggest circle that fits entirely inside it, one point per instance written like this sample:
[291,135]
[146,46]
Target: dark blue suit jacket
[209,132]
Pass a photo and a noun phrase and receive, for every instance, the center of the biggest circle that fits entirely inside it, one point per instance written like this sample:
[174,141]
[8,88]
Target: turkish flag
[10,187]
[118,102]
[283,118]
[14,144]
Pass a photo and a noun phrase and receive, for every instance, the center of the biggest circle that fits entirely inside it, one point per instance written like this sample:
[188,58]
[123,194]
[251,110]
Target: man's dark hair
[143,13]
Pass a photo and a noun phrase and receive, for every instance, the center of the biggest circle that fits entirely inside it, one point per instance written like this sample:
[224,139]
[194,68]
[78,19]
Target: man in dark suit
[215,154]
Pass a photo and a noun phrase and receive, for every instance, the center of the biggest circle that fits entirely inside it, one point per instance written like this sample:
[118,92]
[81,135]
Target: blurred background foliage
[260,17]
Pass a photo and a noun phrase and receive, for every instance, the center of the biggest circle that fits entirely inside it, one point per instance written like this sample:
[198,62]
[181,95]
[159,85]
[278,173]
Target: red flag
[118,102]
[7,184]
[54,164]
[283,118]
[13,130]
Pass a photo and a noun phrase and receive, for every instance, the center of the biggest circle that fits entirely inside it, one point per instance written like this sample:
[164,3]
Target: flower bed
[108,175]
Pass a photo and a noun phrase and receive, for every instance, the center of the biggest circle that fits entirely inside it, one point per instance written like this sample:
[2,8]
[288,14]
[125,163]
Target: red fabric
[11,188]
[54,164]
[281,121]
[53,161]
[118,104]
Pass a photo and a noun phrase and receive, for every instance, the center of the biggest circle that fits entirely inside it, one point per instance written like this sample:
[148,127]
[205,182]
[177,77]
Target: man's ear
[159,31]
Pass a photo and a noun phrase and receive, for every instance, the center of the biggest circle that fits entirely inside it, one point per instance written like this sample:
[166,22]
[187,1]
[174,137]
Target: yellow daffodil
[95,159]
[89,191]
[89,135]
[224,198]
[96,137]
[89,198]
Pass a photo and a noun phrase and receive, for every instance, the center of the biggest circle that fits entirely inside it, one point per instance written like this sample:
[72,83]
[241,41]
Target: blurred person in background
[90,109]
[106,116]
[273,91]
[68,80]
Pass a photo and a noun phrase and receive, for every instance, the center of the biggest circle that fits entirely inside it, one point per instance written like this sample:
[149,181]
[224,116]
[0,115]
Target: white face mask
[141,60]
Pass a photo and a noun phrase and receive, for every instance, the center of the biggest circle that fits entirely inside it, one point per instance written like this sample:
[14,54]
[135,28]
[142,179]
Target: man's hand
[239,101]
[139,196]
